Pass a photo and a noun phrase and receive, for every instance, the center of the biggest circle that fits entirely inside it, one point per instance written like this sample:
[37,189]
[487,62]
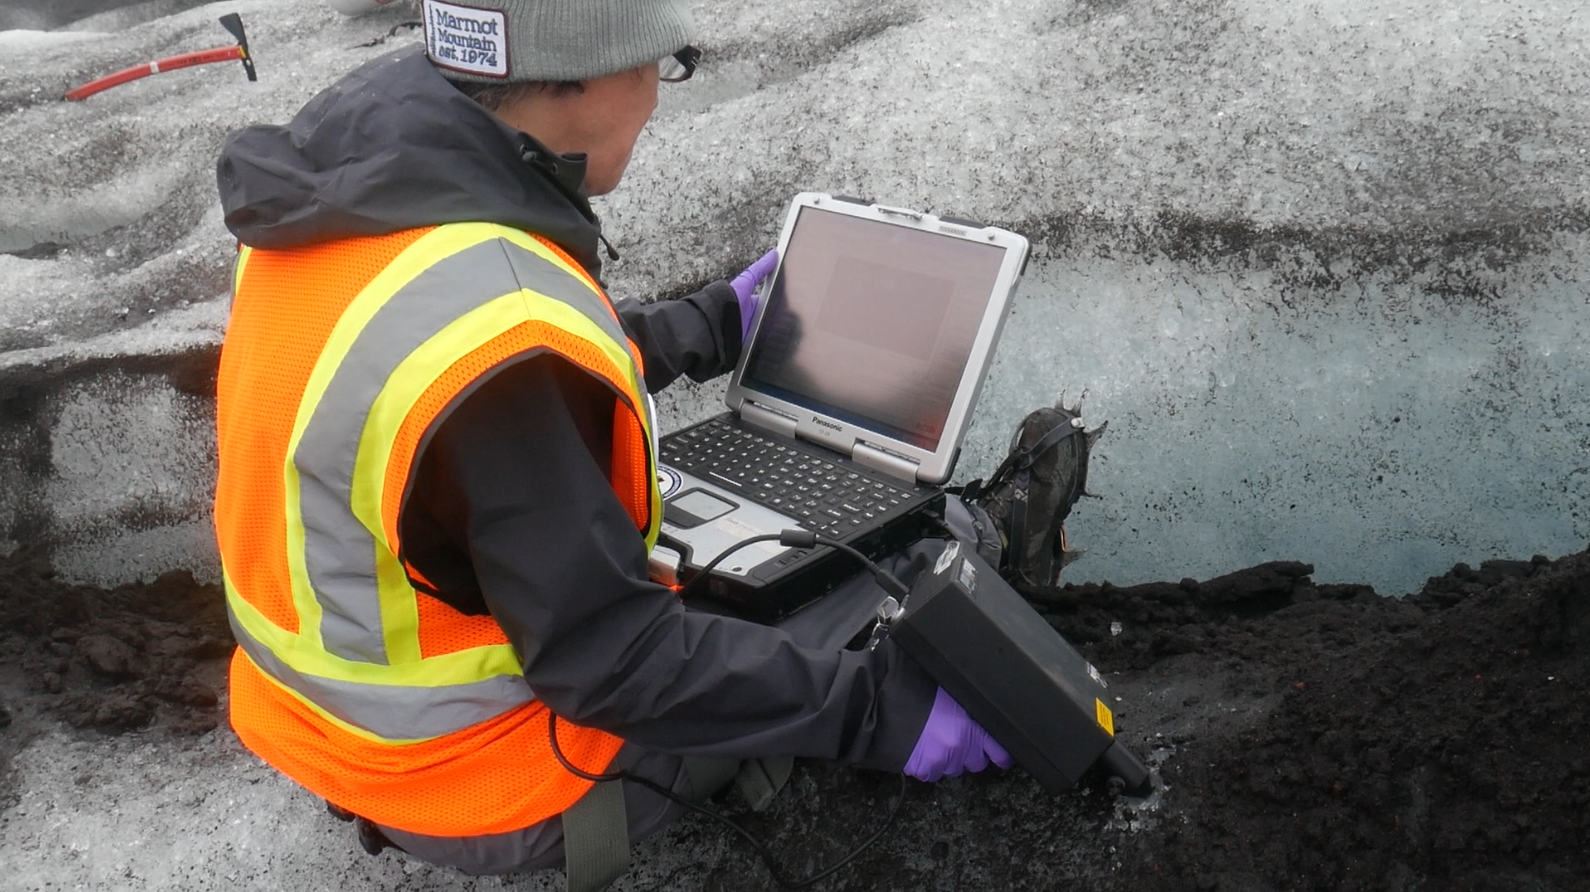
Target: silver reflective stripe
[339,552]
[389,711]
[540,275]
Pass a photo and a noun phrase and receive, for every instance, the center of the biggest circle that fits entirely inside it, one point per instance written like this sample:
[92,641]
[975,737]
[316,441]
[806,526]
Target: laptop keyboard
[824,497]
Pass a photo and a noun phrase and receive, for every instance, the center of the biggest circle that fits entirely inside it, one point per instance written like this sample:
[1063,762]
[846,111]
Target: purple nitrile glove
[745,284]
[952,744]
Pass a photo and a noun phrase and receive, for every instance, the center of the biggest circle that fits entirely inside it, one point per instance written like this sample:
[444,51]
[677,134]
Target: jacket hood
[394,146]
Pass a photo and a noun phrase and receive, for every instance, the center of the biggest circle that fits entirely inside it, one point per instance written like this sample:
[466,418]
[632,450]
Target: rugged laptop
[848,405]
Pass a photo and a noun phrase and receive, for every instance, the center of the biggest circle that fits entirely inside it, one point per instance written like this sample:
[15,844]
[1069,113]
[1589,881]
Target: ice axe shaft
[231,21]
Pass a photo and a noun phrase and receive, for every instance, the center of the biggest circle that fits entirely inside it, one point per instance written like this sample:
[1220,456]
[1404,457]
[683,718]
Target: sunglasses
[680,66]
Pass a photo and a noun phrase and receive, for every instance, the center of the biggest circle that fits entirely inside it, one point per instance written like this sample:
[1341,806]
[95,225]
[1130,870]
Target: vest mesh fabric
[495,776]
[279,325]
[445,630]
[458,632]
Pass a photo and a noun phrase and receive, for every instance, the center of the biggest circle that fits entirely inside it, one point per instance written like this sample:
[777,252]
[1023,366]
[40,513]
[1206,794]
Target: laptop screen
[873,324]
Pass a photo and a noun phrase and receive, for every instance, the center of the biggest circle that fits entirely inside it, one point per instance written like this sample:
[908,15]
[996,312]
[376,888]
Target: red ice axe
[231,22]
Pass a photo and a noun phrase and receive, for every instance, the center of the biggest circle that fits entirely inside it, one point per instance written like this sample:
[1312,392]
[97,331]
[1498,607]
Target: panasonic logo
[828,424]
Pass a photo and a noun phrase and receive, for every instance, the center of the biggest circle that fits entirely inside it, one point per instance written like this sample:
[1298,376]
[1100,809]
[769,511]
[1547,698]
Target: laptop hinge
[885,461]
[768,419]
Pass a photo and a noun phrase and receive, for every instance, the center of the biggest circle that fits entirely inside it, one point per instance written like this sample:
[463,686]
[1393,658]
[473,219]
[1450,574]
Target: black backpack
[1031,493]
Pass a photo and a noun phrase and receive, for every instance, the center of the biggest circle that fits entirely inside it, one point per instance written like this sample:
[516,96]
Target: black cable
[696,582]
[791,538]
[756,844]
[798,538]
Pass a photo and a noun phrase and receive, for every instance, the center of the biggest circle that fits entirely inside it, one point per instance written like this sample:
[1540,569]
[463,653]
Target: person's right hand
[952,744]
[745,285]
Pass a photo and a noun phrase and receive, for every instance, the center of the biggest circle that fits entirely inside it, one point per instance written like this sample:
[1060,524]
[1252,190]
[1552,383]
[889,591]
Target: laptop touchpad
[694,508]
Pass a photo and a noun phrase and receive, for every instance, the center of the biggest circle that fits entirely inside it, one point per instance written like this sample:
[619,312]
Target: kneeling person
[436,492]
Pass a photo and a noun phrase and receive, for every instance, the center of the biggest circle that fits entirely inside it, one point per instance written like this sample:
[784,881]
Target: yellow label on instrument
[1105,717]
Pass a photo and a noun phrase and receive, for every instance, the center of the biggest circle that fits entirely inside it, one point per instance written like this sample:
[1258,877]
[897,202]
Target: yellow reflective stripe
[404,388]
[305,652]
[400,606]
[655,528]
[303,655]
[237,267]
[414,260]
[630,364]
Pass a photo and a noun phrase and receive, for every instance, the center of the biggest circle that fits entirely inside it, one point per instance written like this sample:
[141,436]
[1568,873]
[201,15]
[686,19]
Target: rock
[209,648]
[121,713]
[106,655]
[192,692]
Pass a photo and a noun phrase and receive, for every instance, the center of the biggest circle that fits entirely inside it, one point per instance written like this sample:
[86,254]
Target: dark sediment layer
[122,659]
[1308,736]
[1433,741]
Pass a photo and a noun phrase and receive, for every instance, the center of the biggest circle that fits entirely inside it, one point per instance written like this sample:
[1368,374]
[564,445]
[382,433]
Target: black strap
[1023,459]
[1018,520]
[371,839]
[596,838]
[369,834]
[760,780]
[1050,440]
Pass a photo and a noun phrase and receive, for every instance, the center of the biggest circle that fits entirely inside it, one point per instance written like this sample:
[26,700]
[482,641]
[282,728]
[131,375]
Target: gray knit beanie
[509,41]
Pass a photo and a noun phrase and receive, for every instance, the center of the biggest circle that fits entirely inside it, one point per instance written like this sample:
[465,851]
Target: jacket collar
[394,146]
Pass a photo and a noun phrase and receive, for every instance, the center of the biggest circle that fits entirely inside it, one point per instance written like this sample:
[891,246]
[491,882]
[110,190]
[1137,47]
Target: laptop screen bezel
[933,466]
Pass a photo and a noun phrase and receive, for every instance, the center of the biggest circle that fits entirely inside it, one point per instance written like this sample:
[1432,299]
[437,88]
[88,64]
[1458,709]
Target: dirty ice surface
[1320,265]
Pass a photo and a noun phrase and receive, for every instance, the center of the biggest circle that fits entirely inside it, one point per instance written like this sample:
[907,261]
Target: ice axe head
[234,23]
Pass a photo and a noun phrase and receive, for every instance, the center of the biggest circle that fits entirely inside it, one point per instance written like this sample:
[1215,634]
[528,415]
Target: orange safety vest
[338,360]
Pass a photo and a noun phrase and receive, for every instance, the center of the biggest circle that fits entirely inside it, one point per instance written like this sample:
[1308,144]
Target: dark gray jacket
[510,510]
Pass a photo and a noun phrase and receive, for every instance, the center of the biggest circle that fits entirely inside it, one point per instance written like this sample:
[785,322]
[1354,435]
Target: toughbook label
[467,39]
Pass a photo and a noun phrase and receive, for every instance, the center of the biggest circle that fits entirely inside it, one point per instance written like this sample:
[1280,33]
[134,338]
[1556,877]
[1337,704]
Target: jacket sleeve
[515,477]
[696,335]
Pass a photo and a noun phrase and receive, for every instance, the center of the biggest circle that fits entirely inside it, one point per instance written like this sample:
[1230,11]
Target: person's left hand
[745,285]
[952,744]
